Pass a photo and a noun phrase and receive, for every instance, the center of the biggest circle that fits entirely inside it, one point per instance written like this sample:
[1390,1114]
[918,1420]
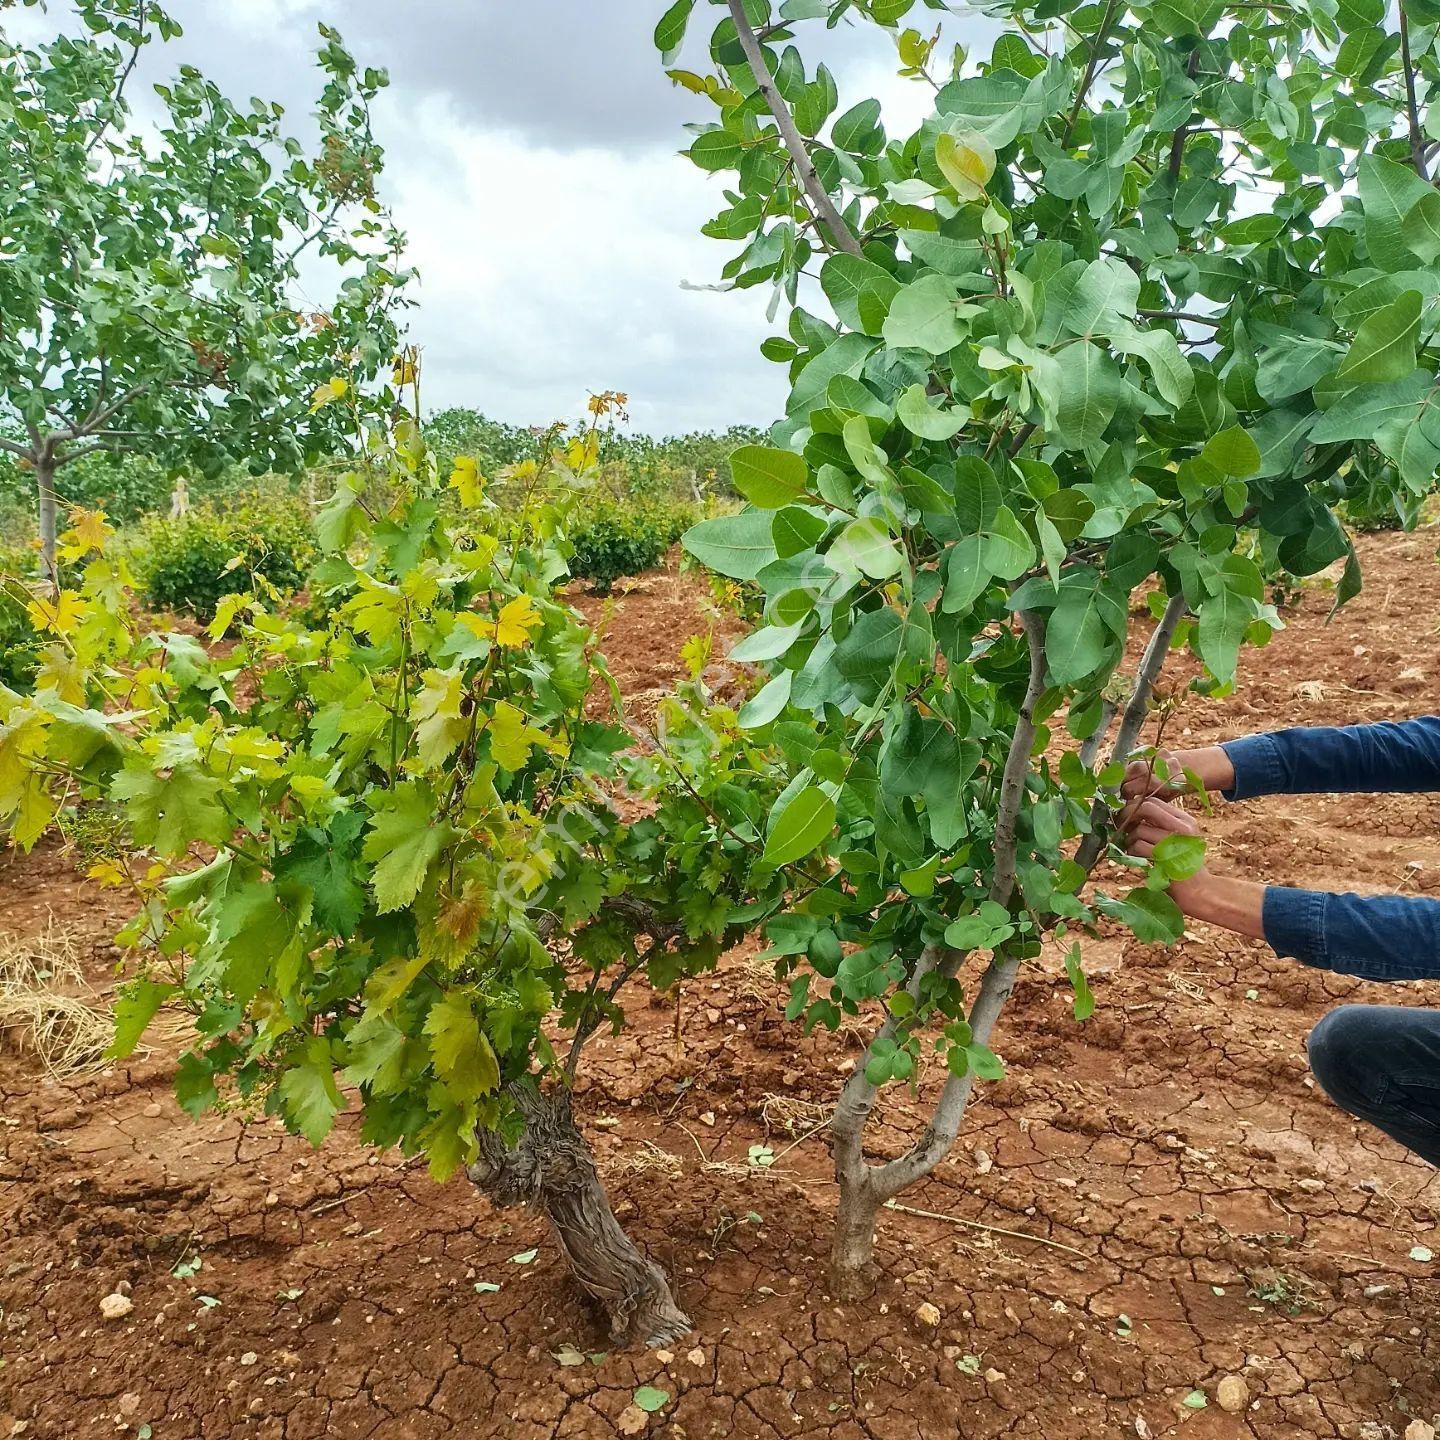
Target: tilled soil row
[1149,1205]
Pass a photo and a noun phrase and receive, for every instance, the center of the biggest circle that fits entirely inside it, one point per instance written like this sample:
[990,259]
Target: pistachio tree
[1106,339]
[149,289]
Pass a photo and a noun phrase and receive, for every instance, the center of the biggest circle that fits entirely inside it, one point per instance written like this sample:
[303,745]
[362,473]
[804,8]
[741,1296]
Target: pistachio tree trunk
[852,1250]
[45,485]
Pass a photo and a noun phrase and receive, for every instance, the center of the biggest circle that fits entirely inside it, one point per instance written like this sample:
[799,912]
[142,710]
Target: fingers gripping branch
[1133,720]
[830,218]
[1017,765]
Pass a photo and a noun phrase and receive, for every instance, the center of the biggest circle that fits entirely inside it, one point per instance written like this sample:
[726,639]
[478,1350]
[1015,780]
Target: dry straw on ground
[46,1006]
[646,1158]
[793,1115]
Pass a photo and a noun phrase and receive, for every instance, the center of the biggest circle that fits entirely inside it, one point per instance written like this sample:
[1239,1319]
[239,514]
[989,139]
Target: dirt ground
[1209,1212]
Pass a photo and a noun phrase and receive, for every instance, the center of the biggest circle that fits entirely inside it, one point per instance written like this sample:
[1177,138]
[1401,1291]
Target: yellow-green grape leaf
[463,1057]
[404,840]
[312,1099]
[511,736]
[440,726]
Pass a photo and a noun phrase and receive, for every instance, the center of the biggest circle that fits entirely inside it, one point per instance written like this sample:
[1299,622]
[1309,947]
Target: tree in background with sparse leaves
[149,284]
[1150,290]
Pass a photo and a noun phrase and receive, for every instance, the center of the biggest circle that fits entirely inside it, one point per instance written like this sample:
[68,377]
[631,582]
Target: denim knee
[1344,1058]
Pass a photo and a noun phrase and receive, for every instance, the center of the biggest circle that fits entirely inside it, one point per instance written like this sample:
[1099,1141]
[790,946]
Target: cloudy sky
[532,157]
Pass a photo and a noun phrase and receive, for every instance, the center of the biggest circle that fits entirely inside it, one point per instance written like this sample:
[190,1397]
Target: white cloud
[549,273]
[531,156]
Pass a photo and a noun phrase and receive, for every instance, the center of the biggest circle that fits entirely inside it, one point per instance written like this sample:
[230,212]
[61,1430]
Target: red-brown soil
[1219,1215]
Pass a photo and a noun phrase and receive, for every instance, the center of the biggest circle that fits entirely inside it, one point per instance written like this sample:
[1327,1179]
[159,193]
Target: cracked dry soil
[1219,1216]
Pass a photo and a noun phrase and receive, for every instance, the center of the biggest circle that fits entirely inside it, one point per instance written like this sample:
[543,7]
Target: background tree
[149,285]
[1147,293]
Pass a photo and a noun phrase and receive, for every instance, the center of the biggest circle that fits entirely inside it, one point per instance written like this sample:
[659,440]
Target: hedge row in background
[648,492]
[219,546]
[688,465]
[19,644]
[126,488]
[624,536]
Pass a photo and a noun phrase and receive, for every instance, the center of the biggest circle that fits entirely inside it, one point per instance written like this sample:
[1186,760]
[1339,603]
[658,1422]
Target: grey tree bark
[864,1188]
[45,486]
[829,217]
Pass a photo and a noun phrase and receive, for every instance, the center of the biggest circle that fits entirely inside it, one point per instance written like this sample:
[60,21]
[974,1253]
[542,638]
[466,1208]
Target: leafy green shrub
[216,548]
[633,464]
[683,464]
[19,644]
[127,488]
[492,443]
[1375,510]
[17,529]
[617,537]
[124,487]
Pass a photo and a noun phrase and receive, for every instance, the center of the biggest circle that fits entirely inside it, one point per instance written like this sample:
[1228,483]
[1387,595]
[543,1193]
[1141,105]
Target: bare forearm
[1237,905]
[1211,765]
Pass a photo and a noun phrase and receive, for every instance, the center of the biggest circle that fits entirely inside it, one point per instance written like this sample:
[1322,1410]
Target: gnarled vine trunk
[551,1169]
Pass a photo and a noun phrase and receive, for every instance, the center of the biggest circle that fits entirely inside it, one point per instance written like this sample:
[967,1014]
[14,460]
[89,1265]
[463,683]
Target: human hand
[1238,905]
[1145,823]
[1210,765]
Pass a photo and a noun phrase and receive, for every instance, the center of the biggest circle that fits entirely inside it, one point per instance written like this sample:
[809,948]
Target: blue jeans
[1382,1064]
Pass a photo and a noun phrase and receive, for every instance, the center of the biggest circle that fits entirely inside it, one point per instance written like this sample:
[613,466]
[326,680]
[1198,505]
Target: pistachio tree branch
[1021,436]
[101,413]
[1088,78]
[117,99]
[857,1096]
[82,451]
[1090,746]
[999,980]
[1417,141]
[1132,722]
[1017,765]
[832,220]
[1213,320]
[1152,661]
[1185,131]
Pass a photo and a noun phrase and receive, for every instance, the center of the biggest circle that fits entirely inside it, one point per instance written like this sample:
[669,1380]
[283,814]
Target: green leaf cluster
[1060,365]
[361,829]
